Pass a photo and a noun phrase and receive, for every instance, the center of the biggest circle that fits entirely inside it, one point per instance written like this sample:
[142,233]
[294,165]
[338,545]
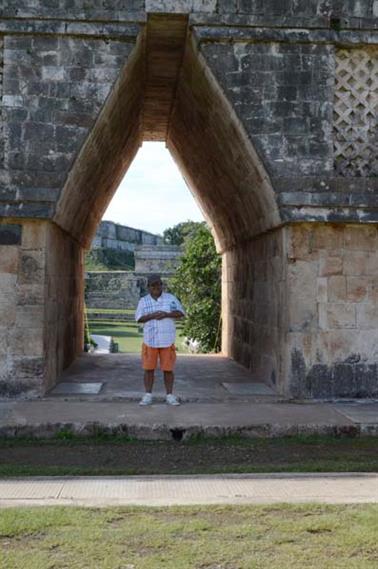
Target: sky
[153,195]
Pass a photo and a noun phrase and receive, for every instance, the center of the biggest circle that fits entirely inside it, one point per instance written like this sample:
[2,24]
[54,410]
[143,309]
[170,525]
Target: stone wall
[113,289]
[1,110]
[303,311]
[53,90]
[110,235]
[254,288]
[163,259]
[333,310]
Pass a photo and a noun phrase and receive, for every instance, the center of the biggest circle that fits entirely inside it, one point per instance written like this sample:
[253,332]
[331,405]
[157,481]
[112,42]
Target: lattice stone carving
[355,125]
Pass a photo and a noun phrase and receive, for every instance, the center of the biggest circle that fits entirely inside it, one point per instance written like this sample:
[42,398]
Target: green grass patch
[214,537]
[127,334]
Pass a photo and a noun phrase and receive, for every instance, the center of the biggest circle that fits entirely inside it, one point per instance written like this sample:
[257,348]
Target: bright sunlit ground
[153,195]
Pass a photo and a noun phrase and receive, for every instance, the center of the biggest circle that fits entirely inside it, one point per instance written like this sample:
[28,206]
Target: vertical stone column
[227,259]
[332,335]
[64,332]
[22,310]
[41,298]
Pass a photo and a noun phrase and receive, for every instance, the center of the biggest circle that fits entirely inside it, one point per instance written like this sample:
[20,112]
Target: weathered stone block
[26,341]
[337,315]
[10,234]
[337,291]
[34,235]
[30,316]
[343,380]
[356,264]
[330,266]
[367,316]
[30,294]
[7,311]
[9,259]
[322,289]
[319,382]
[366,380]
[357,288]
[302,315]
[3,344]
[361,238]
[302,277]
[32,268]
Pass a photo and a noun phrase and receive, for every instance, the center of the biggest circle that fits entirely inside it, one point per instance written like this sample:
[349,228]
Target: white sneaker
[146,399]
[172,399]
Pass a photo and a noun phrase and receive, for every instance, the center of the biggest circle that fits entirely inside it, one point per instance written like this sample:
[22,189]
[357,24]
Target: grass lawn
[129,335]
[215,537]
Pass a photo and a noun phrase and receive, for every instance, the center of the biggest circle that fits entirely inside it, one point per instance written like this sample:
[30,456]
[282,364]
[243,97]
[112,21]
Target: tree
[180,233]
[198,285]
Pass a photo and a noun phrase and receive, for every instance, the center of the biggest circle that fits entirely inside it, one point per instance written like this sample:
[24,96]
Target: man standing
[158,311]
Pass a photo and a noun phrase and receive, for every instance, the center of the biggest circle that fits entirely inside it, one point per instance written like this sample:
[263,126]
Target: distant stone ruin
[122,289]
[110,235]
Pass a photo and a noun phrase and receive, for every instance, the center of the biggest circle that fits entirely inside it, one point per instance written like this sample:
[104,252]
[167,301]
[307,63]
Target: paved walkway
[185,490]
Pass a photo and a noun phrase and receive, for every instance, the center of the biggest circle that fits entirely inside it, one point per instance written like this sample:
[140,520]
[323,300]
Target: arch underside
[166,92]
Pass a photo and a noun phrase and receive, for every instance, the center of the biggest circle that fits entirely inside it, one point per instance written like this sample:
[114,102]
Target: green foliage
[180,233]
[109,260]
[198,284]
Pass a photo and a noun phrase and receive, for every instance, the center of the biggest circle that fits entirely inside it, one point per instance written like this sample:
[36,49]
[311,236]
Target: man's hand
[158,315]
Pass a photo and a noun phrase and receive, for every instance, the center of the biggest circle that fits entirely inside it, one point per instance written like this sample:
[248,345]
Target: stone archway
[183,105]
[248,114]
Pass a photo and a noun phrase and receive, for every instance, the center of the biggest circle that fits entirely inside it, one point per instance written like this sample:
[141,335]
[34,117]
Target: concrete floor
[198,378]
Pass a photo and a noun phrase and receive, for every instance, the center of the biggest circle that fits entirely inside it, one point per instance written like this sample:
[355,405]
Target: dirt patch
[160,457]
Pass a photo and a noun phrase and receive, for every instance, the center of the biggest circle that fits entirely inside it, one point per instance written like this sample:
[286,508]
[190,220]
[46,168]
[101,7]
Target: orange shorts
[167,357]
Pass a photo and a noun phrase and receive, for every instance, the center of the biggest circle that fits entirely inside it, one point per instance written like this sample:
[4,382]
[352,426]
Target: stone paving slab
[360,412]
[248,388]
[77,388]
[191,490]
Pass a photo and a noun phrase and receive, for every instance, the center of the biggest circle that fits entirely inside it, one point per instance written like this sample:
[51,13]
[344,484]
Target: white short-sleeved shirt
[158,333]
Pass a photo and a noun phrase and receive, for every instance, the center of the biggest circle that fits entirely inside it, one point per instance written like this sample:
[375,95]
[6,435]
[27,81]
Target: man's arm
[176,314]
[158,315]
